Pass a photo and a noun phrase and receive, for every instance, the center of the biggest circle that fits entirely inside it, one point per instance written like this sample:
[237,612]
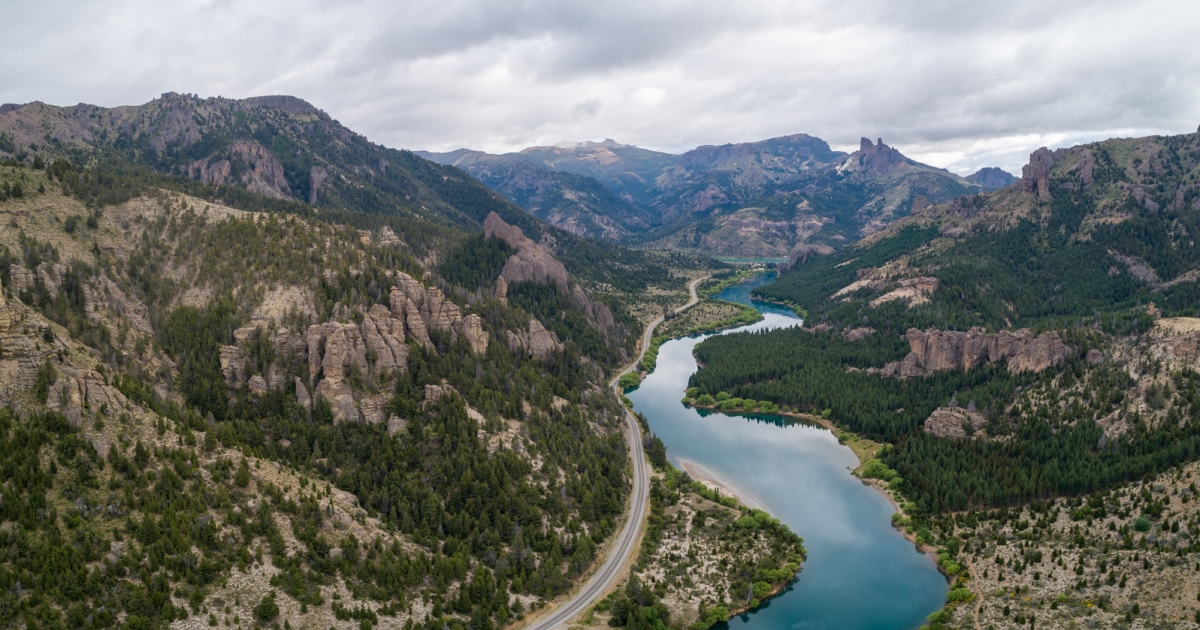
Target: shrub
[959,595]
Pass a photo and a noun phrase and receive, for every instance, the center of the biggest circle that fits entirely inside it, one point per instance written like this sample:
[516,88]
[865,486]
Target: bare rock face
[955,424]
[22,278]
[387,237]
[316,176]
[438,312]
[302,397]
[8,315]
[396,424]
[538,341]
[106,294]
[374,408]
[471,327]
[946,350]
[501,292]
[874,160]
[410,287]
[258,384]
[264,174]
[531,263]
[595,310]
[76,388]
[384,336]
[1035,176]
[856,334]
[233,364]
[341,401]
[1094,357]
[344,351]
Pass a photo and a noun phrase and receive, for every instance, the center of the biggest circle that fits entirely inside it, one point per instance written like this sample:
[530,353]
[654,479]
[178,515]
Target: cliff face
[531,263]
[935,350]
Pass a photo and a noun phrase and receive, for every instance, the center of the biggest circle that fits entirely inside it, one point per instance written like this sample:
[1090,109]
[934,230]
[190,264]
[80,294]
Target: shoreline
[716,481]
[874,484]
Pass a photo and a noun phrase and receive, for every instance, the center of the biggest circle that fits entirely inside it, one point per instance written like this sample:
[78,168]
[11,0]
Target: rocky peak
[1035,176]
[991,178]
[873,159]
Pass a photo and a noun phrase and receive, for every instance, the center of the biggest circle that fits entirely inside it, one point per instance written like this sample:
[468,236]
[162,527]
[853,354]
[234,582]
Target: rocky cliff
[531,263]
[935,350]
[247,164]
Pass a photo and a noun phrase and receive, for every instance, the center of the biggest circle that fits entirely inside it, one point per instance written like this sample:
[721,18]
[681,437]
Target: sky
[959,85]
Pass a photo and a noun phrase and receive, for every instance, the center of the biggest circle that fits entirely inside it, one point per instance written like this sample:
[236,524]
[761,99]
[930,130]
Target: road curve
[625,543]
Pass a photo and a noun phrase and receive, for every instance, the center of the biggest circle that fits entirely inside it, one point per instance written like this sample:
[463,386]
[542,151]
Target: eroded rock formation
[1035,176]
[531,263]
[537,341]
[955,423]
[946,350]
[263,173]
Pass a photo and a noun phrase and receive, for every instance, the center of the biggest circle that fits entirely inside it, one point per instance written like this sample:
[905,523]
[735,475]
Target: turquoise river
[860,574]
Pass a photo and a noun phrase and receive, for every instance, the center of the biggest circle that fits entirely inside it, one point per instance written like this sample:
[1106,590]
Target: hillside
[1031,359]
[279,153]
[575,203]
[1075,290]
[770,198]
[230,399]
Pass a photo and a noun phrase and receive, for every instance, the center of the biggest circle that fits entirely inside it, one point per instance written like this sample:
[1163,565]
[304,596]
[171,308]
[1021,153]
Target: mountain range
[765,198]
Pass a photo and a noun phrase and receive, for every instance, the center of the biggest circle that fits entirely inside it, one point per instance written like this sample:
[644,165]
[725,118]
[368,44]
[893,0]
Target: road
[624,544]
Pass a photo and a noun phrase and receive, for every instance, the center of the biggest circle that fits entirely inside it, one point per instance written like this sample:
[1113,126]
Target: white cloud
[960,85]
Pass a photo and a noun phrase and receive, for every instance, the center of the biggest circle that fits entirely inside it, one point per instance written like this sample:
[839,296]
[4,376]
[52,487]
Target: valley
[782,197]
[259,371]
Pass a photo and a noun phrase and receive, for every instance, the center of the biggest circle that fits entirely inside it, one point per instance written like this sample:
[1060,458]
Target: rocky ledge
[935,350]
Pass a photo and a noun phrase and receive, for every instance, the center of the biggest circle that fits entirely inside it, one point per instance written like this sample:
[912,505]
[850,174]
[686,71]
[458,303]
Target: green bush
[959,595]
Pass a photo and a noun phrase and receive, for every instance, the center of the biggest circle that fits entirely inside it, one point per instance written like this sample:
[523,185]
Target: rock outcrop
[955,423]
[873,160]
[21,277]
[76,390]
[256,168]
[375,348]
[947,350]
[538,341]
[1035,176]
[531,263]
[471,327]
[501,292]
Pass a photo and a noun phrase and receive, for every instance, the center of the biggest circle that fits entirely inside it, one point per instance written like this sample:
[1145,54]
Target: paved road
[624,544]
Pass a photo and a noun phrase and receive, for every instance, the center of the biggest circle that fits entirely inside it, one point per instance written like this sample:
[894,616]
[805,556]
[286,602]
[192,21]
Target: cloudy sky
[956,84]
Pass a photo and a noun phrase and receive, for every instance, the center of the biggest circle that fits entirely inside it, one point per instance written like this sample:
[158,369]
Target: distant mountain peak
[991,178]
[570,145]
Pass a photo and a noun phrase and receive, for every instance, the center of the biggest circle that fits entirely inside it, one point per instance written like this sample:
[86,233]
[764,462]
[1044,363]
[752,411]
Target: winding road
[624,545]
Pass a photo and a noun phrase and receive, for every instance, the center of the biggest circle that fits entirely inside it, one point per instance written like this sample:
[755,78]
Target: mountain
[281,153]
[765,198]
[1030,358]
[576,203]
[1014,345]
[257,370]
[991,178]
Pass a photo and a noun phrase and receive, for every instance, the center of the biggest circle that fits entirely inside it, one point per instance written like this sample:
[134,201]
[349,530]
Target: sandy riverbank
[717,482]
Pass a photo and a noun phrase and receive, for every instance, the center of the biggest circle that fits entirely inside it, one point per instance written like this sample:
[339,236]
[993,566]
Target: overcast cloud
[955,84]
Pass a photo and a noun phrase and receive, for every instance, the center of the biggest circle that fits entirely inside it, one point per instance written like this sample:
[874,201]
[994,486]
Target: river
[860,574]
